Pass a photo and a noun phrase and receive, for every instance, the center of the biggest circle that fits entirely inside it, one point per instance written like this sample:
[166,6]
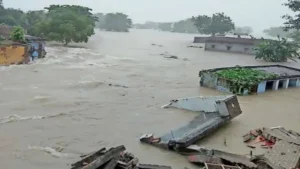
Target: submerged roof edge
[258,66]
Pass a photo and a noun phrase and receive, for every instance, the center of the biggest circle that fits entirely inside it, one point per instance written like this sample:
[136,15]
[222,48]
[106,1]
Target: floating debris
[169,56]
[192,46]
[267,137]
[114,158]
[153,44]
[214,112]
[116,85]
[16,118]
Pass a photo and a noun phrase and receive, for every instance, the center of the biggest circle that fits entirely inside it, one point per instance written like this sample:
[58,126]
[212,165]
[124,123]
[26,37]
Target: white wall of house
[228,47]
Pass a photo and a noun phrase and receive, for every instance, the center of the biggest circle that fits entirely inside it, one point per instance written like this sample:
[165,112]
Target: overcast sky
[259,14]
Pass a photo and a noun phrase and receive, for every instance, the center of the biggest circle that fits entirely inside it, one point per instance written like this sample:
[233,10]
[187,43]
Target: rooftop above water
[280,70]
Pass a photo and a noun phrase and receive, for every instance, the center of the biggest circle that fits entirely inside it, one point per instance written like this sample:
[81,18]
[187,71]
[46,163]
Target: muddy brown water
[65,100]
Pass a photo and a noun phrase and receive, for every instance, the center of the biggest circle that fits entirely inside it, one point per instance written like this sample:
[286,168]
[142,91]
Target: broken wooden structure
[113,158]
[283,146]
[214,112]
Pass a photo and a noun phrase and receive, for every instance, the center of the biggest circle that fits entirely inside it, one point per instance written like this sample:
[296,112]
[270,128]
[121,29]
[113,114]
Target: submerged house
[250,79]
[13,53]
[234,44]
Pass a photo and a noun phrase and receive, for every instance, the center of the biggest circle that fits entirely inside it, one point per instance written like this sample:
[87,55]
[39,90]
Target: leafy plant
[243,78]
[218,23]
[17,34]
[67,23]
[117,22]
[277,50]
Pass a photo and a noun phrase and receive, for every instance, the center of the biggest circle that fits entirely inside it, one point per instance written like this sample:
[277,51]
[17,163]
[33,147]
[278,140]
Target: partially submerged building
[13,53]
[276,77]
[235,44]
[19,52]
[214,112]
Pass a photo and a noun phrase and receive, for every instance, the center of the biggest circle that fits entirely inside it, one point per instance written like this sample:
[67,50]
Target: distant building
[235,44]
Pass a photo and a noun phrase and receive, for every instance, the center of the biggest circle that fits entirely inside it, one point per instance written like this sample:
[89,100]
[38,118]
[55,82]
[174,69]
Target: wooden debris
[114,158]
[99,158]
[150,166]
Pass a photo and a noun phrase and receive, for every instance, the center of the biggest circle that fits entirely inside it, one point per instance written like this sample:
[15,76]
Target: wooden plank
[150,166]
[112,163]
[99,160]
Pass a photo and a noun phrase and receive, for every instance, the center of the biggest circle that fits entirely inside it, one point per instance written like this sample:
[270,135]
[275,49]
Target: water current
[109,92]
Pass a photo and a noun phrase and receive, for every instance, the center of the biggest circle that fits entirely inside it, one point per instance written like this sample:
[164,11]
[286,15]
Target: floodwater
[78,100]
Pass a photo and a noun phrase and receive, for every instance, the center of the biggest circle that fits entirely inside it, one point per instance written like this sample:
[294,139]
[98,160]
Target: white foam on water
[88,84]
[54,152]
[15,118]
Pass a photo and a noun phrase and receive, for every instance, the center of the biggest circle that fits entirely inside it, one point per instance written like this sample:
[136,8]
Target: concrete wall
[13,54]
[200,39]
[202,104]
[236,48]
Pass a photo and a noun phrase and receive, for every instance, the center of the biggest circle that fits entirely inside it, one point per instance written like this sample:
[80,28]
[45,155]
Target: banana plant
[277,50]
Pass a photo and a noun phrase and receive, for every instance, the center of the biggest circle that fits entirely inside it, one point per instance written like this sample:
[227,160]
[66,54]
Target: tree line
[218,23]
[63,23]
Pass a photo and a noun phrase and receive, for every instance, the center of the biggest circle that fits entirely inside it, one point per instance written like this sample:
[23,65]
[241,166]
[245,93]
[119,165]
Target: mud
[71,86]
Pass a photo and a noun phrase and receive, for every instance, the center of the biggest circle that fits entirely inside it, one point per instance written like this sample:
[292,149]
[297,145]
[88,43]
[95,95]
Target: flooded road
[109,93]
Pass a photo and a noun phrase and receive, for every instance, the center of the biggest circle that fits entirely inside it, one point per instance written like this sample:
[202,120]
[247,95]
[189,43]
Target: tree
[31,19]
[101,20]
[243,30]
[117,22]
[277,50]
[67,23]
[185,26]
[218,23]
[17,34]
[165,26]
[295,36]
[277,31]
[11,17]
[292,22]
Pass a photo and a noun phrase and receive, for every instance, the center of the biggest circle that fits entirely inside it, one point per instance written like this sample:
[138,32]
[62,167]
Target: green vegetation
[277,50]
[183,26]
[17,34]
[218,23]
[292,22]
[295,36]
[10,16]
[243,78]
[67,24]
[117,22]
[277,31]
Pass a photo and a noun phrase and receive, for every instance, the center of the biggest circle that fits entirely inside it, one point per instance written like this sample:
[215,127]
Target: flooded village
[147,99]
